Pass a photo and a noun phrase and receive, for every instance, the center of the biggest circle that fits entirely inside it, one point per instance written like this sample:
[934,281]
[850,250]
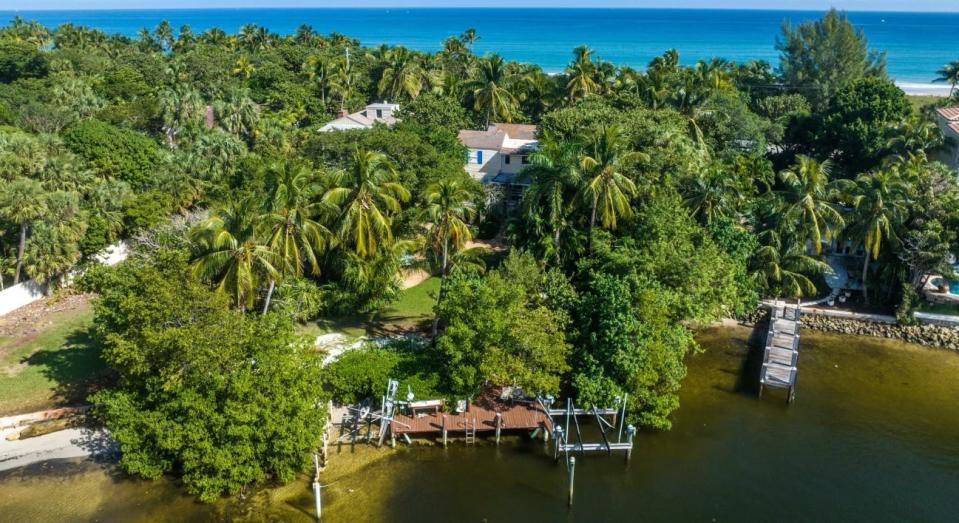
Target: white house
[499,153]
[948,120]
[373,113]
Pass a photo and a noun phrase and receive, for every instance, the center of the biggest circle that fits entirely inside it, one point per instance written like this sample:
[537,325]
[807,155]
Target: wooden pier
[781,354]
[476,418]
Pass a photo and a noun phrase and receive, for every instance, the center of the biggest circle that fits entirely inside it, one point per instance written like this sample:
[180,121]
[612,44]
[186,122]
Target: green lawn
[412,310]
[52,367]
[939,308]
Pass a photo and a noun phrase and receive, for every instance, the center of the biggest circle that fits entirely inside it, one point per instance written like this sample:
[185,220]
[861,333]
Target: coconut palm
[469,37]
[805,200]
[243,68]
[949,74]
[293,233]
[231,254]
[367,194]
[581,72]
[492,90]
[449,206]
[711,194]
[915,135]
[554,178]
[781,263]
[343,83]
[607,189]
[879,201]
[403,75]
[320,71]
[22,202]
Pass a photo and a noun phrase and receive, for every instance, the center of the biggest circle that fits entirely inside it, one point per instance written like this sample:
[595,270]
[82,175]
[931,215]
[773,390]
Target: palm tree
[469,37]
[949,74]
[243,68]
[345,78]
[582,74]
[783,263]
[711,194]
[449,206]
[237,112]
[320,71]
[605,157]
[293,232]
[22,202]
[367,195]
[230,253]
[806,200]
[915,135]
[491,88]
[180,107]
[879,201]
[403,75]
[554,178]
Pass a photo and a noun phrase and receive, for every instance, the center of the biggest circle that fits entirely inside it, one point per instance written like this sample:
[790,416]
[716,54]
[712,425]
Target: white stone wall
[25,293]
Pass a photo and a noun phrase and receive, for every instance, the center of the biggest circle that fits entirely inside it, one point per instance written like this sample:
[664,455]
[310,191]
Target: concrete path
[69,443]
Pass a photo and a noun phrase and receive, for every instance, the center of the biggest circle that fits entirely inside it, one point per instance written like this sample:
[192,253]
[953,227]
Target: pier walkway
[781,354]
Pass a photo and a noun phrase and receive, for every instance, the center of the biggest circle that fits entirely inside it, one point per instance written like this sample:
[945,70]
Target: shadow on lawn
[76,367]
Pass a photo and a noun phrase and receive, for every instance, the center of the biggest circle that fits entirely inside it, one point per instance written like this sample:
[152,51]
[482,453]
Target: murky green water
[873,436]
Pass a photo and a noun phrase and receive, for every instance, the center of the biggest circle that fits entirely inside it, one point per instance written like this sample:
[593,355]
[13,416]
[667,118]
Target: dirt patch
[26,324]
[413,277]
[31,319]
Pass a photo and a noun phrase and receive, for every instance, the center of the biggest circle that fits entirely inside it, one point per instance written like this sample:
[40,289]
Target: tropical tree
[237,113]
[293,232]
[403,75]
[243,67]
[180,107]
[367,194]
[492,90]
[880,204]
[449,208]
[231,254]
[320,71]
[782,266]
[22,202]
[469,37]
[554,179]
[581,74]
[806,201]
[949,74]
[605,157]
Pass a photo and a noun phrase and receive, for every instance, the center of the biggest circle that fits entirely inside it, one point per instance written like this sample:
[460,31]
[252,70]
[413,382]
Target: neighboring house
[498,154]
[948,120]
[378,112]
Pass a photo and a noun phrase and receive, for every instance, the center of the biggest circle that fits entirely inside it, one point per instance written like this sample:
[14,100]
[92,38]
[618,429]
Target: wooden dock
[781,354]
[476,418]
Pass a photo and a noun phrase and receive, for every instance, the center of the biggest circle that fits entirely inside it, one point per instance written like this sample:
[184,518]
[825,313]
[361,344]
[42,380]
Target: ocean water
[917,43]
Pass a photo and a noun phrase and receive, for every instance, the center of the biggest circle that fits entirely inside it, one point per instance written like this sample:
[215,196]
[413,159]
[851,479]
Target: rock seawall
[929,335]
[924,334]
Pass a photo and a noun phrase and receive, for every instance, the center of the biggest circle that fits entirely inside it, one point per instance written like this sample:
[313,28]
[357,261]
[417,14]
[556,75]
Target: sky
[850,5]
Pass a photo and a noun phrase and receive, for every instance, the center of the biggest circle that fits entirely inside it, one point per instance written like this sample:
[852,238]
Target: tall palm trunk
[592,221]
[269,296]
[20,249]
[556,237]
[439,295]
[865,273]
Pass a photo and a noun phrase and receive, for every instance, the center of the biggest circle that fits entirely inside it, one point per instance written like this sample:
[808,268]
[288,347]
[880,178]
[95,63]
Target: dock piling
[499,425]
[572,472]
[444,430]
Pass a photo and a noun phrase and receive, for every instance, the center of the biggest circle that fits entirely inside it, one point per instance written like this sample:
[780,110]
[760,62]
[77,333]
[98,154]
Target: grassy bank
[53,362]
[412,310]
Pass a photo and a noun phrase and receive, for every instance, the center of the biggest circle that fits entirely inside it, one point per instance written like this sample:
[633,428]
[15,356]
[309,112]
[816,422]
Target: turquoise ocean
[917,44]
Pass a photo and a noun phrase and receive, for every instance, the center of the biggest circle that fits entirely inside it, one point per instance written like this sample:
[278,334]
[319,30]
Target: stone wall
[929,335]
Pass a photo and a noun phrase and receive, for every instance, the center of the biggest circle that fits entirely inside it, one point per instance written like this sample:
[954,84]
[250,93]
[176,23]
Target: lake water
[918,44]
[873,436]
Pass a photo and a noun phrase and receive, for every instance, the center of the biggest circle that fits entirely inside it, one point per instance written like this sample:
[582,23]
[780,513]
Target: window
[506,159]
[479,157]
[524,159]
[379,113]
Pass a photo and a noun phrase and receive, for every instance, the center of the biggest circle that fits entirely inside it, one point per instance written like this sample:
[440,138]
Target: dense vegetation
[658,200]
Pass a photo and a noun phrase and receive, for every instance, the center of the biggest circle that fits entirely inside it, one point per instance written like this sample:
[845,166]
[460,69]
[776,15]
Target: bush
[299,299]
[116,153]
[364,373]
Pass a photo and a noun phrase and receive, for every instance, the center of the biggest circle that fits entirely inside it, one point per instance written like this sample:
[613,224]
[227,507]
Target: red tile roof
[949,113]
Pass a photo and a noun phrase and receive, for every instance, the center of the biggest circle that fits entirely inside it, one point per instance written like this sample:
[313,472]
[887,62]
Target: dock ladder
[470,431]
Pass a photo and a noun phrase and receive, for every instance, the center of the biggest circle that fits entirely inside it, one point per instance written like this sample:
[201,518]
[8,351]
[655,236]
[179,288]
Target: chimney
[344,113]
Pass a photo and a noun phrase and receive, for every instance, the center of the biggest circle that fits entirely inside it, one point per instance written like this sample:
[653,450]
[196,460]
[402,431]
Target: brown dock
[781,355]
[482,418]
